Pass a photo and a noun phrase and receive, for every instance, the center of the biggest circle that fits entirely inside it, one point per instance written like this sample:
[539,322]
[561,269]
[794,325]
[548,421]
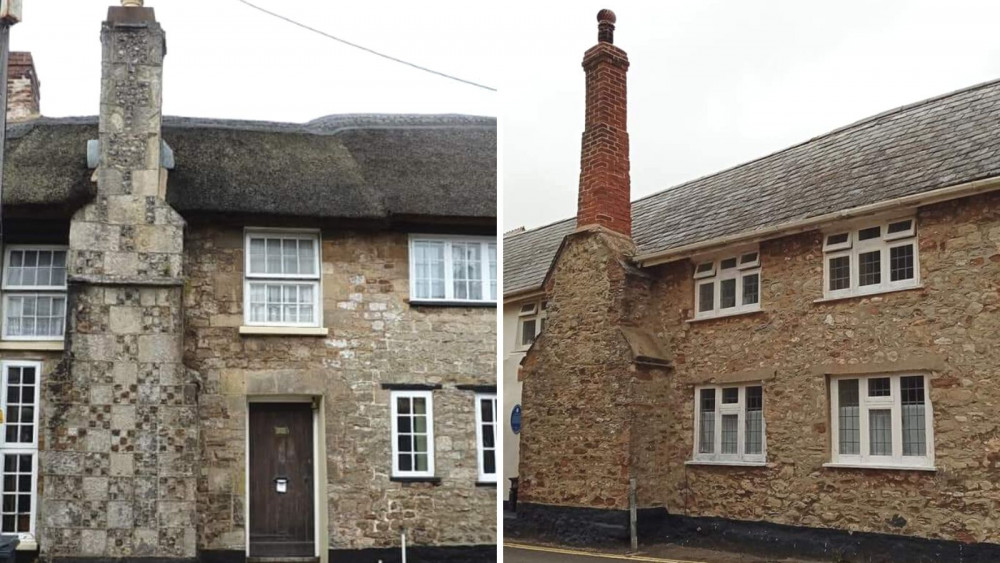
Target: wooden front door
[281,480]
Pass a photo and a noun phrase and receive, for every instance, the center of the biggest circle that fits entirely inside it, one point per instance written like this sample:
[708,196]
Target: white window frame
[290,279]
[480,445]
[31,288]
[716,275]
[38,291]
[854,247]
[22,448]
[449,282]
[738,408]
[538,314]
[429,396]
[865,403]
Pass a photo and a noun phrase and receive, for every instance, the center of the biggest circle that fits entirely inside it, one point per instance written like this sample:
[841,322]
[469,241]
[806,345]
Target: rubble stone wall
[375,337]
[577,383]
[950,326]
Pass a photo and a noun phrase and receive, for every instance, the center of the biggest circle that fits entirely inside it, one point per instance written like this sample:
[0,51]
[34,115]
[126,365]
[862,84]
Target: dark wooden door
[281,480]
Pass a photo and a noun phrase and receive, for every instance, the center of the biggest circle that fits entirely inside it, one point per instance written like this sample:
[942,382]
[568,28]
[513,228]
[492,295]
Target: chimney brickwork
[120,412]
[604,197]
[23,88]
[579,437]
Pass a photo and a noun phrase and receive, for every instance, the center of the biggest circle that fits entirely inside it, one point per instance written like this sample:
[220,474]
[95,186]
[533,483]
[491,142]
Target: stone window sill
[868,294]
[34,345]
[446,303]
[284,330]
[727,463]
[432,480]
[725,316]
[879,466]
[28,543]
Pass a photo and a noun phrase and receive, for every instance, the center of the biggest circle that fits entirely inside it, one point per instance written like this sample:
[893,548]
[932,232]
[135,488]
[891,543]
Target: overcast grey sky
[227,60]
[716,83]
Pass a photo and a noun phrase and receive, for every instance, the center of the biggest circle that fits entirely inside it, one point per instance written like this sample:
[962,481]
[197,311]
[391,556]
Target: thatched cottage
[225,339]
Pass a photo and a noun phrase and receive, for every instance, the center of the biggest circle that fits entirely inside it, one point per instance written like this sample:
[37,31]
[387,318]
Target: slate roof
[935,143]
[350,166]
[528,255]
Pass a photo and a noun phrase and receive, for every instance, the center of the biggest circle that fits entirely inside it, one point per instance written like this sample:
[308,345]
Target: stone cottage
[795,355]
[227,339]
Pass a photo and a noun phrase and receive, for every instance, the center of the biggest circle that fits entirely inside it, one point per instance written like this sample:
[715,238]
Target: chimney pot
[132,3]
[606,26]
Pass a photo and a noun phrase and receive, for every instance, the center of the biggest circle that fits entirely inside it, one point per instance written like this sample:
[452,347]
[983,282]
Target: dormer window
[727,285]
[870,259]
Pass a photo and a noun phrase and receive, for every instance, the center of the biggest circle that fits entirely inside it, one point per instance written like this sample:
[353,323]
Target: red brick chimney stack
[23,88]
[604,167]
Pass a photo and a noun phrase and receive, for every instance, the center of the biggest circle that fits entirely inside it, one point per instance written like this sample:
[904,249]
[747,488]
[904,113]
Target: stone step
[282,559]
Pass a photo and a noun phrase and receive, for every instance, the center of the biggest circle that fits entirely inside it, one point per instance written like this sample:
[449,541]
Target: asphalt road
[515,555]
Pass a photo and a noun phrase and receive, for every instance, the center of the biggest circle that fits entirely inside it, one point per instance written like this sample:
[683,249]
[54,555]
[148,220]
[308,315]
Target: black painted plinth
[597,527]
[414,554]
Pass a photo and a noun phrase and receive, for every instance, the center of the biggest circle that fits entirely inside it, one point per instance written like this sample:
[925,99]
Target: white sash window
[486,437]
[34,292]
[19,448]
[412,433]
[281,281]
[453,269]
[530,323]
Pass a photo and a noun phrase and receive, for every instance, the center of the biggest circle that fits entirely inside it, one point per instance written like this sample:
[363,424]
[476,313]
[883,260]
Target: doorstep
[282,559]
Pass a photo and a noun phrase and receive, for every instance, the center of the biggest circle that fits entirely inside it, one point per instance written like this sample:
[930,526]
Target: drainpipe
[402,537]
[632,502]
[10,14]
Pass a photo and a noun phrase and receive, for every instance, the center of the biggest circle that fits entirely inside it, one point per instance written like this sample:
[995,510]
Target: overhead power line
[366,49]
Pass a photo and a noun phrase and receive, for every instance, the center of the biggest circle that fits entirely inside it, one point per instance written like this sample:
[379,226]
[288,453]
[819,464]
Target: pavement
[532,553]
[539,554]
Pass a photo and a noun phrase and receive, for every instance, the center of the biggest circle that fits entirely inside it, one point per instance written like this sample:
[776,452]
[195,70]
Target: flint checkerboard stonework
[121,442]
[143,443]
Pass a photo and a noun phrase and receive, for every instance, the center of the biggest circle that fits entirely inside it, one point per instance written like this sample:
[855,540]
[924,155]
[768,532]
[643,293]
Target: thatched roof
[45,165]
[354,166]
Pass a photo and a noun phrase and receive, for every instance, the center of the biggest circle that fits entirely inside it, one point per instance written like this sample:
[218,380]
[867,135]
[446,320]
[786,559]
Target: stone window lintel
[746,376]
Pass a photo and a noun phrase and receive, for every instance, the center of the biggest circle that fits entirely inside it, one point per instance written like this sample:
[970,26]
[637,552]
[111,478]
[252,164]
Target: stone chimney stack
[589,388]
[604,166]
[120,409]
[23,88]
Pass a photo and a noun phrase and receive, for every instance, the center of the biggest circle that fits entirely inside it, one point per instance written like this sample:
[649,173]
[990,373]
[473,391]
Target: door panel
[281,480]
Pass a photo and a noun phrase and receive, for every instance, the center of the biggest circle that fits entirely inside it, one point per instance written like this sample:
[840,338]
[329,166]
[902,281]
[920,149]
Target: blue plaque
[515,419]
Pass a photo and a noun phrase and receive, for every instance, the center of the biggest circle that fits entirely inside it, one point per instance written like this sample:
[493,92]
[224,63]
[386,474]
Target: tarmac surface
[524,553]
